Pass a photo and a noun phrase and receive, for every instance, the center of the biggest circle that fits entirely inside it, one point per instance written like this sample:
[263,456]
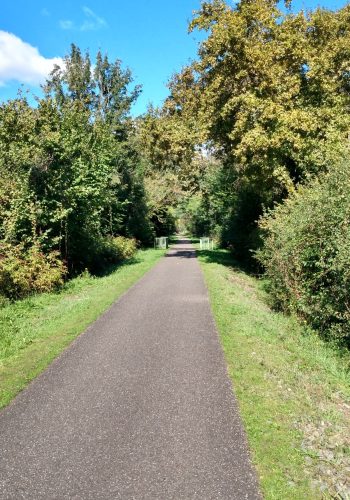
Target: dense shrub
[124,247]
[25,271]
[109,251]
[306,253]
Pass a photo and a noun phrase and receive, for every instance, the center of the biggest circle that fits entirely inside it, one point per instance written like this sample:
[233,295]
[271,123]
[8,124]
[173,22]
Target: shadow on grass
[224,258]
[111,268]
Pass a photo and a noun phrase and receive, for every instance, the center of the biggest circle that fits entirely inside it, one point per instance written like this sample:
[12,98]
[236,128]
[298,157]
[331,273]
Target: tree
[273,89]
[70,170]
[270,93]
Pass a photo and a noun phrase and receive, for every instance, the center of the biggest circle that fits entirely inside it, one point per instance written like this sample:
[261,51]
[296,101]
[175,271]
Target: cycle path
[140,406]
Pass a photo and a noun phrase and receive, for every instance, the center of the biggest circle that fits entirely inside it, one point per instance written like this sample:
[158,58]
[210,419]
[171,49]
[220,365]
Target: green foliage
[25,271]
[70,175]
[125,247]
[207,212]
[162,191]
[240,232]
[166,140]
[269,95]
[273,88]
[306,253]
[107,251]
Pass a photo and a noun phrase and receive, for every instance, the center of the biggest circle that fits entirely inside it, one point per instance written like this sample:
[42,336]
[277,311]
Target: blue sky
[149,36]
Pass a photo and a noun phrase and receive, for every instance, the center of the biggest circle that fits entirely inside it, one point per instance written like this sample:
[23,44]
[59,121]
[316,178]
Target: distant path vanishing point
[138,407]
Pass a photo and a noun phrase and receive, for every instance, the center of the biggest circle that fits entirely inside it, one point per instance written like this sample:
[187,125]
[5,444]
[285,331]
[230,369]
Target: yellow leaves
[209,13]
[276,87]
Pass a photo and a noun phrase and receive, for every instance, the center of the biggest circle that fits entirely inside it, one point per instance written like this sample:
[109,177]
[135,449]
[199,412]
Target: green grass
[35,330]
[292,388]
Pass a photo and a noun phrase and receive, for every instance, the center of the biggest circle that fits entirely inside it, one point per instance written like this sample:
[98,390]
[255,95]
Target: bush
[26,271]
[124,247]
[109,251]
[306,253]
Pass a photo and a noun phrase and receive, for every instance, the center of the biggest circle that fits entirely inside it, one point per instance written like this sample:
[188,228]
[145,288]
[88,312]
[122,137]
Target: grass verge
[293,389]
[35,330]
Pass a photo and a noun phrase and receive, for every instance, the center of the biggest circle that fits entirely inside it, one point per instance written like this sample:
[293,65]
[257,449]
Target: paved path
[139,407]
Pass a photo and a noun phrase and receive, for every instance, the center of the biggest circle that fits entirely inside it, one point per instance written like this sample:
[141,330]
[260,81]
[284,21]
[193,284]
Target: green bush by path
[306,253]
[108,251]
[26,271]
[125,247]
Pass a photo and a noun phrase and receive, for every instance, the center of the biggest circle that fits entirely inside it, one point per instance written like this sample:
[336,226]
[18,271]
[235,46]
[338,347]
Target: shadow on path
[182,249]
[184,254]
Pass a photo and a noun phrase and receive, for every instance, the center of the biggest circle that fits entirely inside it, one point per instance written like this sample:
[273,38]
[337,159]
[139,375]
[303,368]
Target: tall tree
[76,167]
[270,93]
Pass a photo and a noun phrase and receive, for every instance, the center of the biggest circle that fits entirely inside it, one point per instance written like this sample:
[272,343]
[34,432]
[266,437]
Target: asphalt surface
[138,407]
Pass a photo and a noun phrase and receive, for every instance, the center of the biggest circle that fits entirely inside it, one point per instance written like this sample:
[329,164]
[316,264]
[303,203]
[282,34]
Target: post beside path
[161,242]
[206,243]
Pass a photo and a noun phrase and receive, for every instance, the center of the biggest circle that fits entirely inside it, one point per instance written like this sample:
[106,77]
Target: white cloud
[91,22]
[22,62]
[66,24]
